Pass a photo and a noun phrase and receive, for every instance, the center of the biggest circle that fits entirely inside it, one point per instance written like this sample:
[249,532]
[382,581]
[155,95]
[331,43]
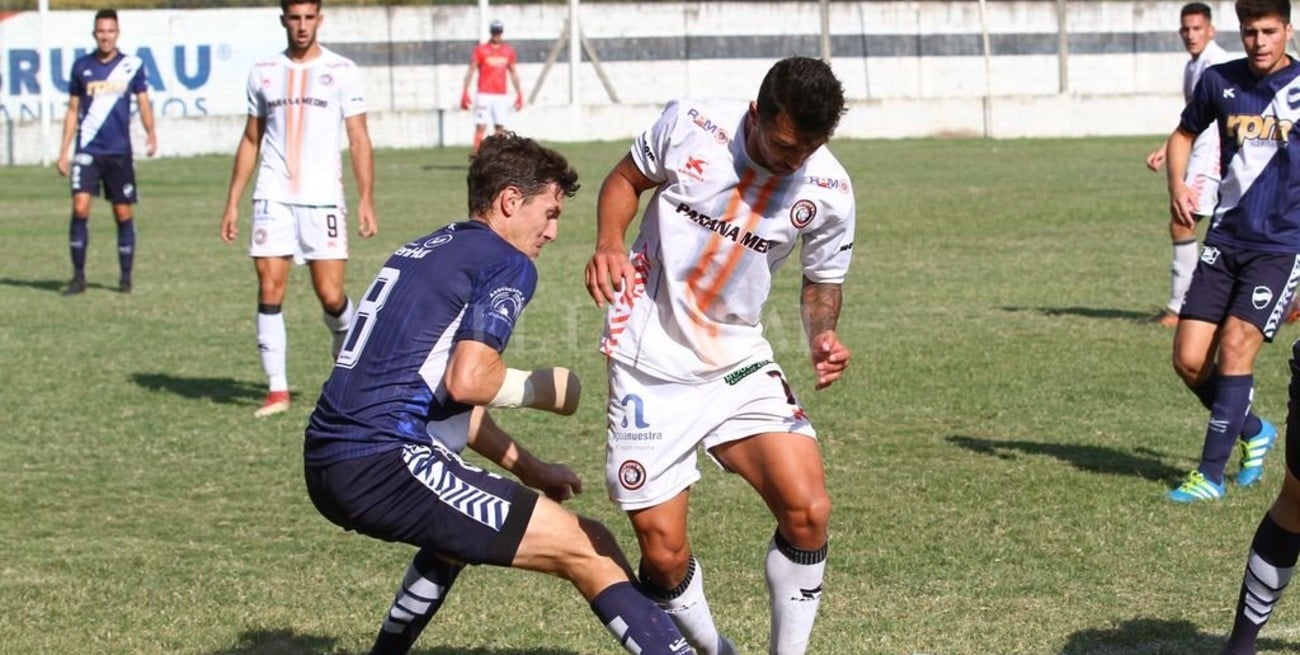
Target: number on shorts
[367,313]
[332,225]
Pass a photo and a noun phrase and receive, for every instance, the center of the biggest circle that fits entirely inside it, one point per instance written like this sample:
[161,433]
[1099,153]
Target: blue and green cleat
[1252,454]
[1196,487]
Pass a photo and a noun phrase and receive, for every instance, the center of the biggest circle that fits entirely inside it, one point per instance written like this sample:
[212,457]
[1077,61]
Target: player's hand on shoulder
[608,273]
[830,358]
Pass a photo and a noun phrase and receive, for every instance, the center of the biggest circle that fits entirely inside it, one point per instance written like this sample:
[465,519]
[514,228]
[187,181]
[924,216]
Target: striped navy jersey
[103,91]
[1259,198]
[386,389]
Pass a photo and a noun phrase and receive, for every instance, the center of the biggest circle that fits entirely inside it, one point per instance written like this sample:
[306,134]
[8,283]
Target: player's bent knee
[807,526]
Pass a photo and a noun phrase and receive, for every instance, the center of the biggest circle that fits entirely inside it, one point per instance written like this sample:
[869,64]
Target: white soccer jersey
[710,239]
[304,105]
[1205,150]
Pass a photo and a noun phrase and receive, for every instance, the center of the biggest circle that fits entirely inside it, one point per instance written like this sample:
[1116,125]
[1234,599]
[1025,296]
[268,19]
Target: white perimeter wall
[909,68]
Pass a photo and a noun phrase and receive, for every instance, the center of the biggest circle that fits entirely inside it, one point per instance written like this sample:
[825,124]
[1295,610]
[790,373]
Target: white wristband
[516,390]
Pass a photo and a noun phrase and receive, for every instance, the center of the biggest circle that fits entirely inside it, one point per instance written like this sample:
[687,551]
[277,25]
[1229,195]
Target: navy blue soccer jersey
[460,282]
[104,91]
[1259,198]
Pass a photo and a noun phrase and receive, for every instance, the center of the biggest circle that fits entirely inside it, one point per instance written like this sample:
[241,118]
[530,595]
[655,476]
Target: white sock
[1185,258]
[689,610]
[273,342]
[794,587]
[339,325]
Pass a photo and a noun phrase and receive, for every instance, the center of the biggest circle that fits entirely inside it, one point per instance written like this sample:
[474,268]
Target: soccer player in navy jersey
[99,116]
[1250,264]
[409,390]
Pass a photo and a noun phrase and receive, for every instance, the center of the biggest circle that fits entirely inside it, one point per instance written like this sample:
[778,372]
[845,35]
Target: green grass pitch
[998,453]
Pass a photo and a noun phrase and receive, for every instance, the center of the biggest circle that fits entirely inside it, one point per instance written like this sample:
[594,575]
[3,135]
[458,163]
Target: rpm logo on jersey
[1249,127]
[701,121]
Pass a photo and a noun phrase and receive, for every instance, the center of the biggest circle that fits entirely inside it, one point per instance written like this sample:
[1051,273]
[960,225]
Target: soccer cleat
[1252,454]
[76,286]
[124,285]
[1196,488]
[276,402]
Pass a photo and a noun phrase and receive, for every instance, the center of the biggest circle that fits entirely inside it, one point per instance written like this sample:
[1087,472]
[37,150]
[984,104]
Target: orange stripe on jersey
[733,257]
[294,123]
[733,204]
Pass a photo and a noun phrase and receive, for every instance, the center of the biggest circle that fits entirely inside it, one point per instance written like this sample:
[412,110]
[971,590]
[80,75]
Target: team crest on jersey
[326,79]
[507,302]
[802,212]
[631,474]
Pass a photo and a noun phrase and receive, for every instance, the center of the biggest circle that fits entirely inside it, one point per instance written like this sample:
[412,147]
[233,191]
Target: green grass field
[998,455]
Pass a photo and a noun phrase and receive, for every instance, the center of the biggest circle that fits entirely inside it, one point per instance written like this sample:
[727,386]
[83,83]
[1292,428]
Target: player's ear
[511,199]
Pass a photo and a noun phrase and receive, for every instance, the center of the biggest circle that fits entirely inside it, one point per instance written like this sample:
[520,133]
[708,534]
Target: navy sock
[126,246]
[423,590]
[1272,559]
[1251,427]
[1231,404]
[638,624]
[78,241]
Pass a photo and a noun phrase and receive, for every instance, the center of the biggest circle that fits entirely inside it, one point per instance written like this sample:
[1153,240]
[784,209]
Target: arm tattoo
[820,307]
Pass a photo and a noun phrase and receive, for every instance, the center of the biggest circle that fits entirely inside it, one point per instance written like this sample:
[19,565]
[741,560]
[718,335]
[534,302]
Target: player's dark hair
[807,91]
[1257,9]
[508,159]
[1196,9]
[285,4]
[106,13]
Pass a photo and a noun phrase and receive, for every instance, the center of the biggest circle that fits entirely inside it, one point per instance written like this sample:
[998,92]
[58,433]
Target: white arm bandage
[554,389]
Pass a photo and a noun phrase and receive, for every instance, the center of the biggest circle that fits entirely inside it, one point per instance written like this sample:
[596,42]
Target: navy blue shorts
[1251,285]
[429,497]
[116,173]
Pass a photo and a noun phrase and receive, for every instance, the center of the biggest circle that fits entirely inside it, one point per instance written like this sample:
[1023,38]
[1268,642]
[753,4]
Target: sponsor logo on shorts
[1261,297]
[83,159]
[743,372]
[128,189]
[802,212]
[631,474]
[1209,255]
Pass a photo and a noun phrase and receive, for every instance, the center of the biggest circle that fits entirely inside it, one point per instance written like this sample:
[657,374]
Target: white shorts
[655,426]
[306,232]
[492,109]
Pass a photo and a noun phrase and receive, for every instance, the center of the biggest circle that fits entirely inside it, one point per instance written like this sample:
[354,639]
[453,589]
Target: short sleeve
[76,85]
[827,249]
[256,101]
[650,148]
[352,93]
[499,294]
[1201,111]
[140,81]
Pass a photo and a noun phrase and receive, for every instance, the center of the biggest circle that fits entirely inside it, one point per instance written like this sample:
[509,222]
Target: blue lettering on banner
[22,76]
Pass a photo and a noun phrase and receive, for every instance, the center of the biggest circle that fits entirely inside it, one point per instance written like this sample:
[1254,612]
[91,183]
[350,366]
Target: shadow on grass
[1141,462]
[51,285]
[1157,637]
[1088,312]
[287,642]
[218,390]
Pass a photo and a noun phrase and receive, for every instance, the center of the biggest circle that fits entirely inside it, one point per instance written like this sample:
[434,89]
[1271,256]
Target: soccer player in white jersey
[735,187]
[296,101]
[1197,32]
